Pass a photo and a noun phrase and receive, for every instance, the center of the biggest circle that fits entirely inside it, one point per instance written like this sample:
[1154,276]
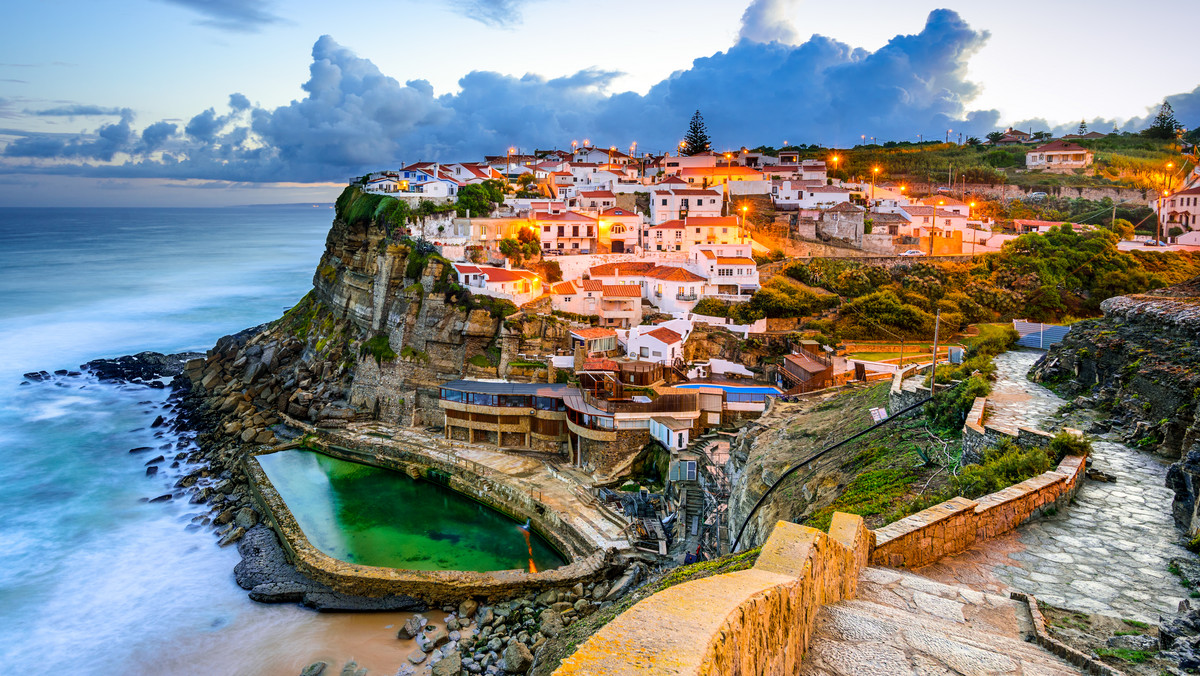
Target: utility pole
[937,323]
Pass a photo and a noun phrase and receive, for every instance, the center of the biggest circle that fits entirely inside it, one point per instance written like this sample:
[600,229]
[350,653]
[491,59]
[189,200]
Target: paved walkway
[1107,553]
[904,624]
[1015,401]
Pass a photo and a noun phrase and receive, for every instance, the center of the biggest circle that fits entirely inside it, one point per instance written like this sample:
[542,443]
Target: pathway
[904,624]
[1107,553]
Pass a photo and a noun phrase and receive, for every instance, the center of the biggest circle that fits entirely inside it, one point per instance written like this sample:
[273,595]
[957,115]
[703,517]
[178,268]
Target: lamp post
[874,173]
[574,145]
[743,221]
[1162,202]
[948,135]
[508,163]
[975,237]
[835,161]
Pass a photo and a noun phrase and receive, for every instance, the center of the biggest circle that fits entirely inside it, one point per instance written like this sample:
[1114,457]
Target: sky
[214,102]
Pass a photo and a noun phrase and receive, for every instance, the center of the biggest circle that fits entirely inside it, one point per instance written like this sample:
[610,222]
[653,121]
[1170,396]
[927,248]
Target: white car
[913,252]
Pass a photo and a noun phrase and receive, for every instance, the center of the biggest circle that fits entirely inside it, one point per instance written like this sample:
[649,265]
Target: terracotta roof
[597,193]
[832,189]
[667,336]
[563,288]
[467,269]
[713,171]
[1189,191]
[593,333]
[668,225]
[711,221]
[600,365]
[846,207]
[622,290]
[805,363]
[929,211]
[591,285]
[616,211]
[942,201]
[708,254]
[735,261]
[624,268]
[572,216]
[1057,146]
[694,192]
[672,179]
[502,275]
[672,274]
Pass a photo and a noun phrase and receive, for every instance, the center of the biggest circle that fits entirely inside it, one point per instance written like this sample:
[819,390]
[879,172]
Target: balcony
[685,296]
[658,294]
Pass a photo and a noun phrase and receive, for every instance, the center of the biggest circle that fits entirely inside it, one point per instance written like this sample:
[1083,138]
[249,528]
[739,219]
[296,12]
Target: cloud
[239,16]
[354,118]
[78,110]
[769,21]
[491,12]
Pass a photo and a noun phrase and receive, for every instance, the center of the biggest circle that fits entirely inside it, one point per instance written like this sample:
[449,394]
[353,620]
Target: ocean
[94,579]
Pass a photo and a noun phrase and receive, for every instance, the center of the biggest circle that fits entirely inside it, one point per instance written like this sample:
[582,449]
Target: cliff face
[1140,365]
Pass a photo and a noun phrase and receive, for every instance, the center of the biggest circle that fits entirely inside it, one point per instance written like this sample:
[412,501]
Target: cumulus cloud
[240,16]
[354,118]
[769,21]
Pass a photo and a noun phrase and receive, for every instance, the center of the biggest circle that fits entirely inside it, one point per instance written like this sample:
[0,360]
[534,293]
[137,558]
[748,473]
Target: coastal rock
[246,517]
[232,536]
[314,669]
[412,628]
[551,623]
[517,659]
[450,665]
[416,656]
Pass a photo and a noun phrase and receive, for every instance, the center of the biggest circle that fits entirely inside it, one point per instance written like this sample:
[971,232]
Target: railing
[658,294]
[729,297]
[685,296]
[666,403]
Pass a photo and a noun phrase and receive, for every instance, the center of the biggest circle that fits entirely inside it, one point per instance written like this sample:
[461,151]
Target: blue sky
[228,102]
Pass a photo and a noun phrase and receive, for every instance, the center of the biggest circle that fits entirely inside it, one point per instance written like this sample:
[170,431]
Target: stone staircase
[901,623]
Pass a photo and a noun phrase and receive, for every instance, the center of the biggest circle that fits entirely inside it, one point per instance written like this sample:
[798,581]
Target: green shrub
[480,361]
[1002,466]
[378,347]
[949,408]
[1065,443]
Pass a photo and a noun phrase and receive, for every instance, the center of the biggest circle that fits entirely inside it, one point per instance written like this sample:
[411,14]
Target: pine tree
[1082,128]
[696,140]
[1165,125]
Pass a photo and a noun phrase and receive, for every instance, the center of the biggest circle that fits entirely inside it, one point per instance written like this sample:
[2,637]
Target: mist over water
[93,580]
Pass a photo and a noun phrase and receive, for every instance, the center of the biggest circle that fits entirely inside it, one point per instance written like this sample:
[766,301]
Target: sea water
[93,578]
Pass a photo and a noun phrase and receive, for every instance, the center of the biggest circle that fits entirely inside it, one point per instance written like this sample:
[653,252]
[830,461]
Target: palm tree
[973,141]
[994,137]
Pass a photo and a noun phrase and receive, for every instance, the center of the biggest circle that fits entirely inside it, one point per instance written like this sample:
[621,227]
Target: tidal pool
[379,517]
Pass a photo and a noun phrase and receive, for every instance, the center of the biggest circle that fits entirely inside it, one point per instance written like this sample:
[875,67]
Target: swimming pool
[739,393]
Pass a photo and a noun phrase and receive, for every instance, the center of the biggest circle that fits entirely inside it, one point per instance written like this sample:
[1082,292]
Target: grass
[378,347]
[480,361]
[1125,654]
[869,494]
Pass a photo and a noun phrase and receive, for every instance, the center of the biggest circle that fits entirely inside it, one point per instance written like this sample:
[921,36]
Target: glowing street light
[874,173]
[574,145]
[835,159]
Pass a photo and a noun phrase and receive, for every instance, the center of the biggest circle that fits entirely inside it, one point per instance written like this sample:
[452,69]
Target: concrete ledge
[756,621]
[1045,640]
[957,524]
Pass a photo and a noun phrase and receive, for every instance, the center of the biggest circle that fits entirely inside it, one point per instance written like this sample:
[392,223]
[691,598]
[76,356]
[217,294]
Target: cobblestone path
[1107,553]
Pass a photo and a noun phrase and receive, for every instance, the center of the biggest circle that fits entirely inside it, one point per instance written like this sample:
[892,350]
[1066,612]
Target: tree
[1123,228]
[1165,125]
[1041,135]
[973,141]
[1082,128]
[525,179]
[696,140]
[994,137]
[1175,232]
[477,200]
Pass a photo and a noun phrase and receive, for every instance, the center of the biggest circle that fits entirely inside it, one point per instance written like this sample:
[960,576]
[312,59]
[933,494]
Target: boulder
[516,658]
[416,656]
[1133,642]
[601,590]
[412,628]
[450,665]
[551,623]
[314,669]
[246,517]
[232,536]
[546,598]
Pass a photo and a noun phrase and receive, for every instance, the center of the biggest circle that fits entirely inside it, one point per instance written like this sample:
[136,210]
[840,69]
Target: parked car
[912,252]
[1154,242]
[1037,196]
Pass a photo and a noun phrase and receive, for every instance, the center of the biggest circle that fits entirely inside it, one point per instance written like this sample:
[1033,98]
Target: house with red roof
[619,229]
[617,305]
[676,203]
[592,202]
[565,233]
[662,343]
[1181,210]
[1059,156]
[685,233]
[519,286]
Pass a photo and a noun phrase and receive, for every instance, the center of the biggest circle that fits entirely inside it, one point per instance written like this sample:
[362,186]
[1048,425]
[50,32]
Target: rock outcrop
[1139,366]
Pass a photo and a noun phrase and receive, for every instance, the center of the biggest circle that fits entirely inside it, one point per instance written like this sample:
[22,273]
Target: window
[724,231]
[697,231]
[574,245]
[561,230]
[664,201]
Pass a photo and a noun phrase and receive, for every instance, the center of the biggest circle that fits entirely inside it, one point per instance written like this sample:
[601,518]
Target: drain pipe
[802,463]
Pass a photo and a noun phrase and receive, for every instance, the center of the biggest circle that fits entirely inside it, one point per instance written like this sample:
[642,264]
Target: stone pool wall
[443,586]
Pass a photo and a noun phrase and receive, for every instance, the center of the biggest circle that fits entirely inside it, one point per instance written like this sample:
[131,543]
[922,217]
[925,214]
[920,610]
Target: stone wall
[953,526]
[586,562]
[756,621]
[1007,191]
[900,398]
[978,435]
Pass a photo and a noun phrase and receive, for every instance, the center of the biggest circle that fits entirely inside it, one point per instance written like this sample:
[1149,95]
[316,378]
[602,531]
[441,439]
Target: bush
[712,307]
[378,347]
[1065,443]
[949,408]
[480,361]
[1002,466]
[498,307]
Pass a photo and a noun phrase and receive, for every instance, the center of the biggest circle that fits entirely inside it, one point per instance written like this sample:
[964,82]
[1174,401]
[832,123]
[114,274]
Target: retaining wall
[953,526]
[586,563]
[756,621]
[978,435]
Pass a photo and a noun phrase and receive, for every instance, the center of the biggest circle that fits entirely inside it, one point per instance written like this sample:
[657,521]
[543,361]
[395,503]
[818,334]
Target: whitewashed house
[519,286]
[676,203]
[1059,156]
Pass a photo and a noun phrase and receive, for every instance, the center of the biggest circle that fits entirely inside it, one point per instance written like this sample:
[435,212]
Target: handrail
[802,463]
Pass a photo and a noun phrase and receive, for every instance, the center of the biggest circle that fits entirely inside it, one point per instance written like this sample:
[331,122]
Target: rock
[351,669]
[562,607]
[161,498]
[577,590]
[600,591]
[155,461]
[151,470]
[246,517]
[1133,642]
[438,637]
[314,669]
[625,583]
[546,598]
[224,517]
[416,656]
[551,623]
[232,536]
[584,608]
[452,624]
[467,609]
[517,659]
[1097,475]
[140,449]
[412,628]
[450,665]
[484,617]
[158,422]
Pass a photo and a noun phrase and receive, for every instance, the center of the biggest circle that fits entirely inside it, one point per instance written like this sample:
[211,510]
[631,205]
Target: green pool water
[378,517]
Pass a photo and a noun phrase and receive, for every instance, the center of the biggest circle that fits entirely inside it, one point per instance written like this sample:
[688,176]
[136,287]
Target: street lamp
[1162,201]
[744,209]
[508,164]
[948,135]
[574,145]
[835,161]
[874,173]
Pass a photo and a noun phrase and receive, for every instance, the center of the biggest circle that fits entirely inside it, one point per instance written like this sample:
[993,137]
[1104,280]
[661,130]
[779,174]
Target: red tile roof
[1058,146]
[591,285]
[711,221]
[467,269]
[598,194]
[617,269]
[563,288]
[735,261]
[616,211]
[667,336]
[622,291]
[672,274]
[570,216]
[502,275]
[593,333]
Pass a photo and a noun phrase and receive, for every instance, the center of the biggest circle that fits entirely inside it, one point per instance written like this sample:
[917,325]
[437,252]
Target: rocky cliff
[1139,365]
